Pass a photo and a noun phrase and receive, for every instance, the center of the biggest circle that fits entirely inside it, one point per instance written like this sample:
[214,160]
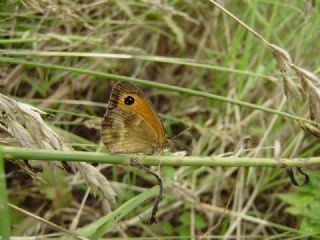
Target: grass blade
[97,229]
[4,210]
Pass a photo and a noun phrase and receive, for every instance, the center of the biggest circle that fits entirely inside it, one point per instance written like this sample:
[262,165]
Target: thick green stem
[4,209]
[124,159]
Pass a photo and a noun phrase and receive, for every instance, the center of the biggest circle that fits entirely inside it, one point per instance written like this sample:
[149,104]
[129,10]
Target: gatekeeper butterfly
[131,123]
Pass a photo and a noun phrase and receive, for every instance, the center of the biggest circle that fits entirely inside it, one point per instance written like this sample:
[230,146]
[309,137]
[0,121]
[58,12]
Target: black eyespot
[129,100]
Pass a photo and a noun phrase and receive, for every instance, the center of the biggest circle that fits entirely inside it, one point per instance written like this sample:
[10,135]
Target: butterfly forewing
[131,123]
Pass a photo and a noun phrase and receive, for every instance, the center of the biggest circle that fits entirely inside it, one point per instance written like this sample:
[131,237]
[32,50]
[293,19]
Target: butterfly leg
[291,174]
[292,178]
[155,207]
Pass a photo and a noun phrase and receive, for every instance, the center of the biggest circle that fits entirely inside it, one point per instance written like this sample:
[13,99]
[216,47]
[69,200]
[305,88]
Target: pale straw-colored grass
[25,124]
[309,82]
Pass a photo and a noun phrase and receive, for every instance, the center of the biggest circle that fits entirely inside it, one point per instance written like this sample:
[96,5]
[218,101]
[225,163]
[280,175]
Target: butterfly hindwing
[124,131]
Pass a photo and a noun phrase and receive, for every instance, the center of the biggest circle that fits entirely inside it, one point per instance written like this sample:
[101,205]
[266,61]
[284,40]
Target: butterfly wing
[126,132]
[131,124]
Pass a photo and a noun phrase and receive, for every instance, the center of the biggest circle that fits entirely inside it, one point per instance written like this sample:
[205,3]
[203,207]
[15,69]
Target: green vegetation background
[232,63]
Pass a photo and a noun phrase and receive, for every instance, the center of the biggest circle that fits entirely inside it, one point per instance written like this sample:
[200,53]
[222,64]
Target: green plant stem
[180,61]
[17,40]
[4,209]
[161,86]
[124,159]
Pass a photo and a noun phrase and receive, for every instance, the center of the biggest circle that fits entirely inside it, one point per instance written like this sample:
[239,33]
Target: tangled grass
[198,45]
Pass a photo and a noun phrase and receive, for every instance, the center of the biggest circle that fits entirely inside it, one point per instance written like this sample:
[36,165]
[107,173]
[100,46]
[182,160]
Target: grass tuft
[228,78]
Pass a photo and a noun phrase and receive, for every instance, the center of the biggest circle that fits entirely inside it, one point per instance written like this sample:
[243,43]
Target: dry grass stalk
[310,84]
[52,225]
[25,124]
[309,87]
[292,90]
[68,10]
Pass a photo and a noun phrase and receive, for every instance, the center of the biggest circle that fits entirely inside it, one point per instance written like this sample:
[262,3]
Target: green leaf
[56,187]
[296,199]
[168,172]
[184,230]
[307,227]
[185,218]
[168,228]
[295,211]
[200,222]
[314,213]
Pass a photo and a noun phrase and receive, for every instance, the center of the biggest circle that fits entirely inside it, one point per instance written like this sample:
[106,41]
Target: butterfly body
[131,123]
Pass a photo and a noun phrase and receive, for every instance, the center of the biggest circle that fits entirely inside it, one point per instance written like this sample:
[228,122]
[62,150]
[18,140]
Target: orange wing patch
[142,108]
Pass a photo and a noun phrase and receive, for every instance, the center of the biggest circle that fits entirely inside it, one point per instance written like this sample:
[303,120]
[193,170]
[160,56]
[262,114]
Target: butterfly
[131,123]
